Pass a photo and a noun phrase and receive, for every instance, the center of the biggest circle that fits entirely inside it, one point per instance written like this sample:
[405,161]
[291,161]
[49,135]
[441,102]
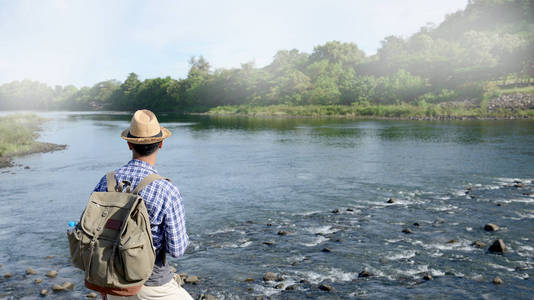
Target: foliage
[17,133]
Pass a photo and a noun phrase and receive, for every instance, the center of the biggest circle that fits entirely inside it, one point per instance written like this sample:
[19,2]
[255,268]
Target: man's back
[165,208]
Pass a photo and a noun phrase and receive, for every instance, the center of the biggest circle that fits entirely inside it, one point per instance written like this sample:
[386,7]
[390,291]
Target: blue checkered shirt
[163,202]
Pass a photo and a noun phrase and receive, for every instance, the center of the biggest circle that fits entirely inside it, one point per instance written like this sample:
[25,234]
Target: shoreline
[38,147]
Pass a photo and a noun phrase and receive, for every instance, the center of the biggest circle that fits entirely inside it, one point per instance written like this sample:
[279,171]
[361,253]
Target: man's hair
[145,149]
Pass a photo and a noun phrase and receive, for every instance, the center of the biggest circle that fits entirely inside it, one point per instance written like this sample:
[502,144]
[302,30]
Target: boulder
[479,244]
[497,280]
[51,274]
[191,279]
[270,276]
[326,287]
[30,271]
[491,227]
[497,247]
[392,200]
[91,295]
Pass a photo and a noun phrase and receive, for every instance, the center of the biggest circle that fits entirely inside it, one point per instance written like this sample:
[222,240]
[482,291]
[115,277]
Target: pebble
[326,250]
[206,297]
[479,244]
[191,279]
[51,274]
[91,295]
[497,280]
[7,275]
[270,276]
[326,287]
[44,292]
[30,271]
[38,280]
[392,200]
[406,230]
[497,247]
[282,232]
[491,227]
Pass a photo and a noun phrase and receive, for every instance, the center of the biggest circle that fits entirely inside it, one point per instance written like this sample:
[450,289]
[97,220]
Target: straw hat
[145,129]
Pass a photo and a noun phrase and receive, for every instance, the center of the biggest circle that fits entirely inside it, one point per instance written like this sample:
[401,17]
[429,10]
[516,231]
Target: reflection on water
[324,182]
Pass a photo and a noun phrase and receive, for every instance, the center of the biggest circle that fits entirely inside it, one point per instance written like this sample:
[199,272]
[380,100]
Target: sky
[63,42]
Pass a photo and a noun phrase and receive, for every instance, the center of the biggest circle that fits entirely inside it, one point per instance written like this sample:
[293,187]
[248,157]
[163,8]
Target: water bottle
[72,226]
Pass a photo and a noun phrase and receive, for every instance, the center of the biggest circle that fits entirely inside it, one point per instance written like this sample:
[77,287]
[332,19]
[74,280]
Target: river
[325,183]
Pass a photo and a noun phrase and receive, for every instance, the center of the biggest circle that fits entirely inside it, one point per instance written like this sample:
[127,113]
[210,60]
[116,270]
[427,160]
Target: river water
[324,182]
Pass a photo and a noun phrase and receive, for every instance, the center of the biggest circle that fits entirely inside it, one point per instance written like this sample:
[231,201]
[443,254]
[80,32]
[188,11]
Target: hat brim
[165,133]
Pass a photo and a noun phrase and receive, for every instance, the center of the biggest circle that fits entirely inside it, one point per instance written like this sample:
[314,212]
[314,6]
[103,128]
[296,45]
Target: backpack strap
[111,182]
[146,181]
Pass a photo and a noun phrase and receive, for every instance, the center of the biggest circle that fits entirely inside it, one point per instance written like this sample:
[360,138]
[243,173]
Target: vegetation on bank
[401,111]
[475,54]
[18,134]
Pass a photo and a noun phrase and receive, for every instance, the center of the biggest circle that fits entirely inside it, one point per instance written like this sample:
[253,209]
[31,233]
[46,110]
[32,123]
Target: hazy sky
[84,42]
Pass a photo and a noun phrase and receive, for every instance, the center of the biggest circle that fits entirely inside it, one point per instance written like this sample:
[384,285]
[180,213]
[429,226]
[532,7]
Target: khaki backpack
[112,242]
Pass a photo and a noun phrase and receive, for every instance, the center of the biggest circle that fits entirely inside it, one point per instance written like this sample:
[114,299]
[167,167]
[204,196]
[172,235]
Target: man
[163,202]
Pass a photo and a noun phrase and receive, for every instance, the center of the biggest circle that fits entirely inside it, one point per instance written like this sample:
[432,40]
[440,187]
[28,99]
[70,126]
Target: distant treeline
[489,43]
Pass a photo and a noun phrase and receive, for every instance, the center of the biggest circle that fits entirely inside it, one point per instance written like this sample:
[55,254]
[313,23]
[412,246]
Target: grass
[18,133]
[402,111]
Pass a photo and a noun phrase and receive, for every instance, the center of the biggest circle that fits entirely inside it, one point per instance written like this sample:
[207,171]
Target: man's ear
[160,144]
[130,146]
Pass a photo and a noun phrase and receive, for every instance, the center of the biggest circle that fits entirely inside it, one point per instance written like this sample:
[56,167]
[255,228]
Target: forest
[474,55]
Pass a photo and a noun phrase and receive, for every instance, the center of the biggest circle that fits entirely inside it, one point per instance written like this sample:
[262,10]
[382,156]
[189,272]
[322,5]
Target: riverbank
[515,106]
[18,134]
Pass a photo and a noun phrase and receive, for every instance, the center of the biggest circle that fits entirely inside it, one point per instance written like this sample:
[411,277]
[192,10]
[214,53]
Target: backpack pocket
[75,245]
[137,258]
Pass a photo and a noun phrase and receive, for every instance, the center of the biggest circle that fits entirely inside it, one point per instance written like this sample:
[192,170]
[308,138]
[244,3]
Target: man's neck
[150,159]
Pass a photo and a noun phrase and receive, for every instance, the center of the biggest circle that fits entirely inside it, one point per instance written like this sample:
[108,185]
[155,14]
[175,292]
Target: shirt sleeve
[102,185]
[174,223]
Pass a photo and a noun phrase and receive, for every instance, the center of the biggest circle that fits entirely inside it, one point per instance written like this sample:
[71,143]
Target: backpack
[112,242]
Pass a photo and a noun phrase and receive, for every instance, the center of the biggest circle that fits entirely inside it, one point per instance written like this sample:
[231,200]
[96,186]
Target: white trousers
[168,291]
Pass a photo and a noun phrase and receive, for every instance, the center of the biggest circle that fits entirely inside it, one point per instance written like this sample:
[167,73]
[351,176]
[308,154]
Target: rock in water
[30,271]
[57,288]
[91,295]
[326,287]
[497,280]
[7,275]
[326,250]
[392,200]
[270,276]
[249,280]
[427,277]
[491,227]
[348,209]
[497,247]
[191,279]
[38,281]
[51,274]
[335,211]
[268,243]
[479,244]
[282,232]
[291,288]
[364,274]
[44,292]
[407,230]
[68,285]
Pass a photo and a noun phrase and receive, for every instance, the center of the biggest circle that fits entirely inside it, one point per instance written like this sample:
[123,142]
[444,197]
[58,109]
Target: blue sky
[84,42]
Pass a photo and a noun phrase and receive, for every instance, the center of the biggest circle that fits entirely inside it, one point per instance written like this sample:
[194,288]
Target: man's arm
[174,224]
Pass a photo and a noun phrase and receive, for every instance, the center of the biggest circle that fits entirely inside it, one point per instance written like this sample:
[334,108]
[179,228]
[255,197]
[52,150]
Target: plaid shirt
[163,202]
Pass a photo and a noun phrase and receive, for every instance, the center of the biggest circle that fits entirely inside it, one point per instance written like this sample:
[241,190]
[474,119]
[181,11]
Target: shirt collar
[141,164]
